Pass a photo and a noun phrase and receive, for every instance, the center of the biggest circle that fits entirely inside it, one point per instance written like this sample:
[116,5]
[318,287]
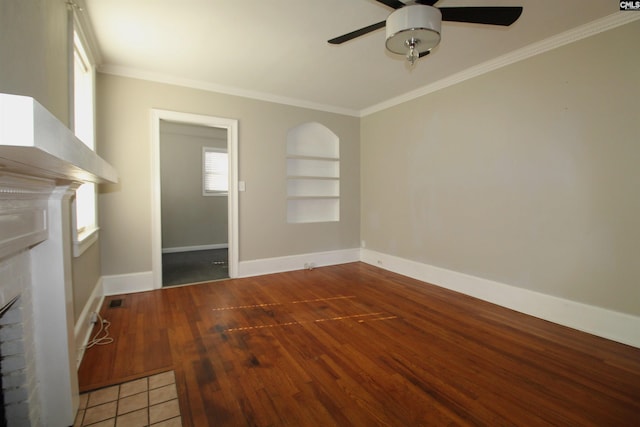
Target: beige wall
[189,218]
[86,275]
[527,175]
[34,62]
[33,52]
[124,139]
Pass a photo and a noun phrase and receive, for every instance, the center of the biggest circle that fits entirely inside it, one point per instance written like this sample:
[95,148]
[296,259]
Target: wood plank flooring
[353,345]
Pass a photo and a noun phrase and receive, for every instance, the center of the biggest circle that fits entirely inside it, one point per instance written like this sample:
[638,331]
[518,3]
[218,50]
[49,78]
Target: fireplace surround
[41,165]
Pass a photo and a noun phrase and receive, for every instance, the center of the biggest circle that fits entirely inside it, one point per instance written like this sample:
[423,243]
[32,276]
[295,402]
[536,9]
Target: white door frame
[231,126]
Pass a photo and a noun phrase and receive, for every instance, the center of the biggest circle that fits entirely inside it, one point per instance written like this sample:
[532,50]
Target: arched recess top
[314,140]
[313,174]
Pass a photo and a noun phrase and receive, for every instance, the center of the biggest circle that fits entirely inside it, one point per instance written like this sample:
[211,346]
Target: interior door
[194,226]
[230,126]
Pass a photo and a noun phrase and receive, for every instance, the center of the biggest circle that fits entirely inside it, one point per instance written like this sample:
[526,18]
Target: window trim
[82,239]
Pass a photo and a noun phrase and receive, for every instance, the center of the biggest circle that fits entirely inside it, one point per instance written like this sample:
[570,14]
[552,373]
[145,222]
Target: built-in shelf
[310,197]
[313,187]
[324,159]
[328,178]
[313,174]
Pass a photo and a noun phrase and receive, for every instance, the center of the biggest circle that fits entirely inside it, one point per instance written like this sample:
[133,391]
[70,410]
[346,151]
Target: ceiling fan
[413,28]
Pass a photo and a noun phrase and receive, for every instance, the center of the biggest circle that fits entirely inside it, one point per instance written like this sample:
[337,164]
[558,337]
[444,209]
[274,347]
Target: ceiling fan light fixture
[413,30]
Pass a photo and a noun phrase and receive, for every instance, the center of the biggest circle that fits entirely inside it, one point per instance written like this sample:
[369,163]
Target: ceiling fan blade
[492,15]
[357,33]
[425,53]
[427,2]
[395,4]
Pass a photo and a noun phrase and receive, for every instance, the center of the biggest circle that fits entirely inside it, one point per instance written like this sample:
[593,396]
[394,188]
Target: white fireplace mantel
[41,164]
[34,142]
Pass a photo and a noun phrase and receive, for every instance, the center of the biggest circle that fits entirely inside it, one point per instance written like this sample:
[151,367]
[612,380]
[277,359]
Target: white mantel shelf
[34,142]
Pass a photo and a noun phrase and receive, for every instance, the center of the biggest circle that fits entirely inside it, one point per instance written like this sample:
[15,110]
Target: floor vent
[115,303]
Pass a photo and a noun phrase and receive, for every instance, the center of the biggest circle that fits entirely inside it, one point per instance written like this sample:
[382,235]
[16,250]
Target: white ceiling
[278,49]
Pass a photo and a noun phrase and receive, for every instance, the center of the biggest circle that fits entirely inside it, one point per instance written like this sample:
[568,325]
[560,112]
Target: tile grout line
[147,407]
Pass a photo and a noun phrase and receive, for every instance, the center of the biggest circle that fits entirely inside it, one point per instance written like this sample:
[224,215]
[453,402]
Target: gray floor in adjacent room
[181,268]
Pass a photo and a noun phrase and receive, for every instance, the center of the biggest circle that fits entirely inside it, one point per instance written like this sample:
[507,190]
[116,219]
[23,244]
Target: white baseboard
[127,283]
[297,262]
[616,326]
[195,248]
[82,330]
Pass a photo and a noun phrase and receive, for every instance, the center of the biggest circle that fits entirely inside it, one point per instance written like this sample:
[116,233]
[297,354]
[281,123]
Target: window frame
[86,234]
[214,193]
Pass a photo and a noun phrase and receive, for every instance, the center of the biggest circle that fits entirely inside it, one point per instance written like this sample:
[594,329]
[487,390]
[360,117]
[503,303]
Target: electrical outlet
[94,317]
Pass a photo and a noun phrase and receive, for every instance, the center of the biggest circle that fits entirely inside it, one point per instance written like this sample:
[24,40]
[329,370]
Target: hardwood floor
[353,345]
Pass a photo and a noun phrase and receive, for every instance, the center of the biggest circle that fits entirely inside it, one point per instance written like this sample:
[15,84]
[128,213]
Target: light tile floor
[149,401]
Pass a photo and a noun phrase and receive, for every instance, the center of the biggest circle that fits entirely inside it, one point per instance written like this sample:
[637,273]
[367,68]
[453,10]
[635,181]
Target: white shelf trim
[321,158]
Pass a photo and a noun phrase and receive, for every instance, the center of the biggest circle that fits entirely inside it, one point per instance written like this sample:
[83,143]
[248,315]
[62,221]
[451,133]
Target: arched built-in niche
[313,174]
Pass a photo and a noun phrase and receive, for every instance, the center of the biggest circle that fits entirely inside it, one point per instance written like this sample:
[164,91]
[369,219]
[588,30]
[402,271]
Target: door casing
[231,126]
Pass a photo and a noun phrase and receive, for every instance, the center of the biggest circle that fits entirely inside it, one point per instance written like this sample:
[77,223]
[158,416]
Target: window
[215,172]
[82,93]
[86,224]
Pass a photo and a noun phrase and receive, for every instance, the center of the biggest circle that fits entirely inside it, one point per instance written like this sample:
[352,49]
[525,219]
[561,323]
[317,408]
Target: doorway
[194,232]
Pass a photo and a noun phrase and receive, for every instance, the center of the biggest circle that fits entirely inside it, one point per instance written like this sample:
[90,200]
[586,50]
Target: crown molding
[226,90]
[595,27]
